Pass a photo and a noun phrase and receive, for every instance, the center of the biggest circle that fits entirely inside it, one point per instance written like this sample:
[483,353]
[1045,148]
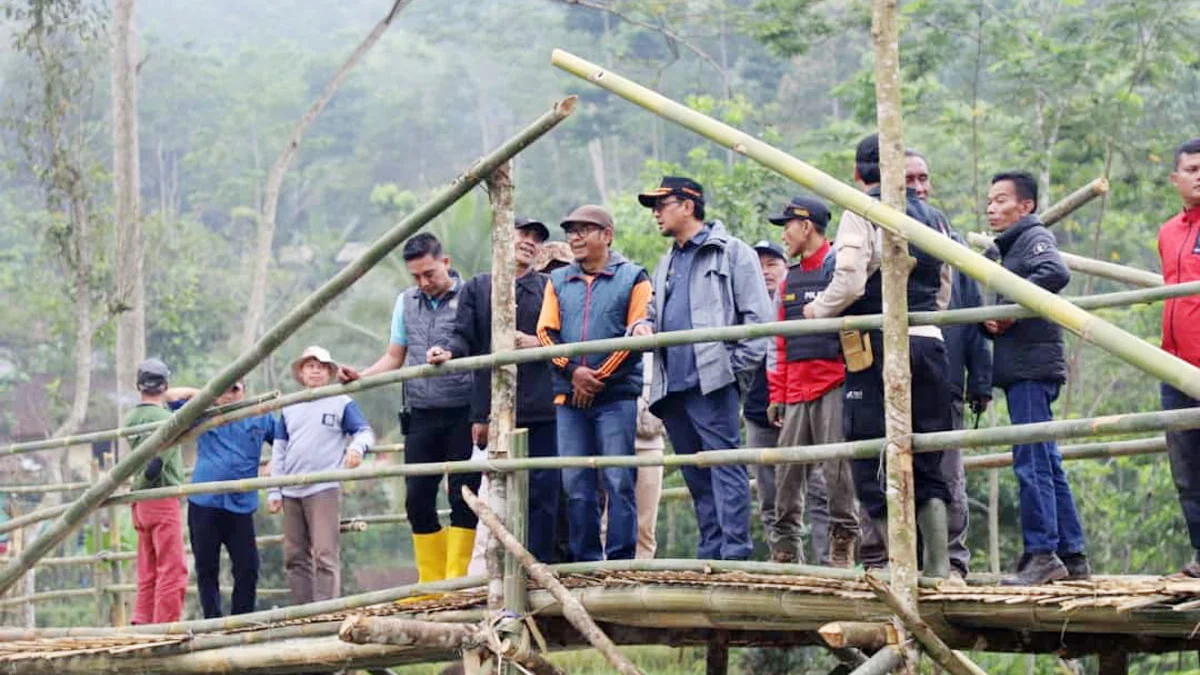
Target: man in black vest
[856,288]
[436,420]
[806,393]
[535,399]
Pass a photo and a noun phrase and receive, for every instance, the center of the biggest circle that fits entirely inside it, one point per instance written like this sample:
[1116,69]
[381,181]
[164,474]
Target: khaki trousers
[311,546]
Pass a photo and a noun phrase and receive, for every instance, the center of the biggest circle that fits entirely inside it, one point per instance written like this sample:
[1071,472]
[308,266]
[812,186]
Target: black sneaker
[1040,568]
[1077,566]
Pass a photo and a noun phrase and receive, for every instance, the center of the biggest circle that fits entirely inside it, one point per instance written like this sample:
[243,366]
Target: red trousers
[162,573]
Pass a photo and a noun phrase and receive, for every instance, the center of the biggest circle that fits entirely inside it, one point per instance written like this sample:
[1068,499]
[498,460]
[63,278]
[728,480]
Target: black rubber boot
[1077,566]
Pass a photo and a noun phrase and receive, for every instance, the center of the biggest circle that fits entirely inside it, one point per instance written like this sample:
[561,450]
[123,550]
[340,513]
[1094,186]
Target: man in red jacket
[1179,248]
[805,388]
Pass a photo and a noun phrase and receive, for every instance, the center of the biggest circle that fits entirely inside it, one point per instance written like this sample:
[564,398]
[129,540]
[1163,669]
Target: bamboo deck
[1134,614]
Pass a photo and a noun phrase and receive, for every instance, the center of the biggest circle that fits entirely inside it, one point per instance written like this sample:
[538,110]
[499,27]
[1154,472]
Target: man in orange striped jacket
[598,296]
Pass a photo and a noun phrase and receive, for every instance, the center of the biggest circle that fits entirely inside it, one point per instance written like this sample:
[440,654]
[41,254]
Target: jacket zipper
[1179,275]
[587,308]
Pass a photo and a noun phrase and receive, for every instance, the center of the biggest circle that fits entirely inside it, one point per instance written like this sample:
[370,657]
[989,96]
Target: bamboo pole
[1097,268]
[882,662]
[1072,202]
[361,630]
[644,343]
[716,654]
[860,634]
[928,442]
[1130,348]
[572,609]
[953,661]
[993,519]
[98,582]
[1103,450]
[116,572]
[516,589]
[894,269]
[297,317]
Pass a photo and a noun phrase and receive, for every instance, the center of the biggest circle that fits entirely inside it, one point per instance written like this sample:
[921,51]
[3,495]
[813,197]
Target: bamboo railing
[1096,268]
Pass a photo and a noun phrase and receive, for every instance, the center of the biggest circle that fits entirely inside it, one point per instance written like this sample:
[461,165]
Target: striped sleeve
[550,323]
[639,301]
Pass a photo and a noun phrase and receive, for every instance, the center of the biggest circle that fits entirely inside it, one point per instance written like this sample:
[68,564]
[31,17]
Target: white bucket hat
[314,352]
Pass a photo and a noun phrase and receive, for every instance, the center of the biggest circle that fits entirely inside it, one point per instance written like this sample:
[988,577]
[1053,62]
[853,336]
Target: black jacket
[473,336]
[757,398]
[966,347]
[1031,349]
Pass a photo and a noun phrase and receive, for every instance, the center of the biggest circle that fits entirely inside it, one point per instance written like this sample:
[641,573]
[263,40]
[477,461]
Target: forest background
[1067,89]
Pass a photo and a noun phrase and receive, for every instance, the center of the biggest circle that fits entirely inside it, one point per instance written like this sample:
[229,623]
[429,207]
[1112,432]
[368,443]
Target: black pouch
[405,418]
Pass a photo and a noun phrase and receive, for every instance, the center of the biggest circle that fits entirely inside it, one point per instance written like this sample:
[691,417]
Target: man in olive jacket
[1029,365]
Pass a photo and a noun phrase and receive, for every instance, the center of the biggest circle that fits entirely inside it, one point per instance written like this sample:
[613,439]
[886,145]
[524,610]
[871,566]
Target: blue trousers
[544,486]
[604,430]
[721,494]
[1049,522]
[1183,449]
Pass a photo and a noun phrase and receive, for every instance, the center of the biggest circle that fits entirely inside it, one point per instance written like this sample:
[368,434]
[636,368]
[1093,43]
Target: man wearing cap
[806,392]
[231,451]
[161,565]
[708,278]
[970,372]
[472,335]
[436,418]
[855,288]
[761,432]
[319,435]
[598,296]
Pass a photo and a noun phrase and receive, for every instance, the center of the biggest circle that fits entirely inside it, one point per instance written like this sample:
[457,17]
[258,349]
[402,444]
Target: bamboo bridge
[504,621]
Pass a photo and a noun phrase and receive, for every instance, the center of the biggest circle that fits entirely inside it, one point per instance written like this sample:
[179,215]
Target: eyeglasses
[662,204]
[580,230]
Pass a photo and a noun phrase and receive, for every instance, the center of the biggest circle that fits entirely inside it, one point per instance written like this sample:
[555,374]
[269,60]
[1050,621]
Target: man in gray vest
[436,420]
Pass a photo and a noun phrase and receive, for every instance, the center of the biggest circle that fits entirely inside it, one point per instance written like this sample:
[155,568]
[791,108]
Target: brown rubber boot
[841,549]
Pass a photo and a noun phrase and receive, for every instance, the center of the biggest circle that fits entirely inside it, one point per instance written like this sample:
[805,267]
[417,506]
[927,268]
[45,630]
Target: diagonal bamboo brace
[572,609]
[1133,350]
[165,435]
[953,661]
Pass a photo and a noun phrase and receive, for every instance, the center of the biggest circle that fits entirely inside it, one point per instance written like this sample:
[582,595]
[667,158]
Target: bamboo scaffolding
[644,343]
[882,662]
[1074,201]
[1097,268]
[928,442]
[272,339]
[572,609]
[1129,348]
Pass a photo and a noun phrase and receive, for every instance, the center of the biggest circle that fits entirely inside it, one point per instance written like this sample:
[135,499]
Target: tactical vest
[799,288]
[924,280]
[426,326]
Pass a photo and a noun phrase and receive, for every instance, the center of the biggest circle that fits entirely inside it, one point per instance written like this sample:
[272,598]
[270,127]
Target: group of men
[796,390]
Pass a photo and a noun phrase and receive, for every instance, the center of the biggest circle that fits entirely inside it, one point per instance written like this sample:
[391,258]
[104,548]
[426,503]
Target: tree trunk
[266,225]
[130,302]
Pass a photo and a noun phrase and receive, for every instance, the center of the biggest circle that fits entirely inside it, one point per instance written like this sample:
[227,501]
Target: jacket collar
[1007,238]
[718,236]
[615,260]
[454,289]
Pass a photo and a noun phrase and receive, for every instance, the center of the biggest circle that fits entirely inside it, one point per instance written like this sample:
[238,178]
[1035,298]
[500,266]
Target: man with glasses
[596,297]
[708,278]
[229,452]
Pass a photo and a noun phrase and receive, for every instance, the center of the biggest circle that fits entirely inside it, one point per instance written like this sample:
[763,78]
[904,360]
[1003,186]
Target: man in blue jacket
[229,452]
[1030,366]
[708,278]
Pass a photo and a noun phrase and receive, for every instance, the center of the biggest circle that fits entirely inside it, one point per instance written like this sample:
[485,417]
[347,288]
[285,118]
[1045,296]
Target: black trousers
[862,418]
[210,528]
[438,435]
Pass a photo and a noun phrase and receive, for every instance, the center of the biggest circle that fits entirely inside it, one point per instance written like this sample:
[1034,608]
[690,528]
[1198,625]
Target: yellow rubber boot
[460,543]
[429,550]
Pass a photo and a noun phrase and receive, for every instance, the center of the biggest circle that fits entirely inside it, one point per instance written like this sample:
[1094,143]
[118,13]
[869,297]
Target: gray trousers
[759,436]
[873,550]
[311,546]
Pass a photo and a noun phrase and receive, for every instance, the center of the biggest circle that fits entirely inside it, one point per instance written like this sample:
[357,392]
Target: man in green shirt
[161,567]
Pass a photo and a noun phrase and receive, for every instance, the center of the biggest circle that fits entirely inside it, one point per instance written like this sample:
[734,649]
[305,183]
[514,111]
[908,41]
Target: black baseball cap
[806,208]
[766,246]
[543,231]
[673,185]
